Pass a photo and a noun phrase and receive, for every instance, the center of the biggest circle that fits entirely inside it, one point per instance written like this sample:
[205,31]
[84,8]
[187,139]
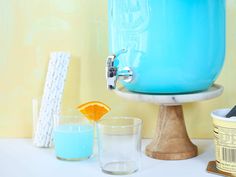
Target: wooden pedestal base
[171,141]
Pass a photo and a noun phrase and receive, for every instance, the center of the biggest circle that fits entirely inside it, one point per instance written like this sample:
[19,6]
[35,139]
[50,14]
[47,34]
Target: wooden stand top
[172,99]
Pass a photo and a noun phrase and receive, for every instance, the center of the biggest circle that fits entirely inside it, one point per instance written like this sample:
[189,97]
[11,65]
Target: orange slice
[94,110]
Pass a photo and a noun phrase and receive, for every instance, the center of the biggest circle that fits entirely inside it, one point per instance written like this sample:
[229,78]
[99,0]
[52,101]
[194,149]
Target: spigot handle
[112,74]
[111,71]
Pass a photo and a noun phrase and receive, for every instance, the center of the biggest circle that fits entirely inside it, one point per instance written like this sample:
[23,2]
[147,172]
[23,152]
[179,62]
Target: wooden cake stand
[171,141]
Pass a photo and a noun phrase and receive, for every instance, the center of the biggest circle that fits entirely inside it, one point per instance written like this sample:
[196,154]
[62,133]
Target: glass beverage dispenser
[165,46]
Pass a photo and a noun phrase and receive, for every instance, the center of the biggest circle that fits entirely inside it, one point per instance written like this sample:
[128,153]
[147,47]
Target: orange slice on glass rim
[94,110]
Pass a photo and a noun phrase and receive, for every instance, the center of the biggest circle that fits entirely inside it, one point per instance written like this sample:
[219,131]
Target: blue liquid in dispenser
[73,142]
[174,46]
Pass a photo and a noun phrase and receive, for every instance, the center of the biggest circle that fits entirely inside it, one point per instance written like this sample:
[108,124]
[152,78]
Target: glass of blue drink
[73,138]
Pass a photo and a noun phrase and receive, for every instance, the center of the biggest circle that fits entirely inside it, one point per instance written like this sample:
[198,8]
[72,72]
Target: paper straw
[51,100]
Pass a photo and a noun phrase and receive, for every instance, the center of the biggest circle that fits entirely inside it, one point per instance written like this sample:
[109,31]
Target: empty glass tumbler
[119,144]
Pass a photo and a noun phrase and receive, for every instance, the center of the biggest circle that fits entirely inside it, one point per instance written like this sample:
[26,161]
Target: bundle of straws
[51,99]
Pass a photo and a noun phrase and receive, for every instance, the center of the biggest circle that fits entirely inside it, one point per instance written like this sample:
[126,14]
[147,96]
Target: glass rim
[138,122]
[88,129]
[64,116]
[70,119]
[67,115]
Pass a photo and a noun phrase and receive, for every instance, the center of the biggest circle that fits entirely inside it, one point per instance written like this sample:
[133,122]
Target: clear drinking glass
[73,138]
[119,144]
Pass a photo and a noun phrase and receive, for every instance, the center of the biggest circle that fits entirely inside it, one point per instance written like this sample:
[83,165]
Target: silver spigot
[113,73]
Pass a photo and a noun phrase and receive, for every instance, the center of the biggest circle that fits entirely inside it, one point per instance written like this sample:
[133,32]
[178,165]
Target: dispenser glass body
[173,46]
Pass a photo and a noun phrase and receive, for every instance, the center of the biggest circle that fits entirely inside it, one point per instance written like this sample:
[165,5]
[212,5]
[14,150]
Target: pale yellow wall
[31,29]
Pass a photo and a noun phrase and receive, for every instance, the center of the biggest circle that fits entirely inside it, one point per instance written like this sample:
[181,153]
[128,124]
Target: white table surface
[19,158]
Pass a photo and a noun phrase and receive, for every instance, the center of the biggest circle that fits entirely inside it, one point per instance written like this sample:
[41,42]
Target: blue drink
[73,142]
[173,46]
